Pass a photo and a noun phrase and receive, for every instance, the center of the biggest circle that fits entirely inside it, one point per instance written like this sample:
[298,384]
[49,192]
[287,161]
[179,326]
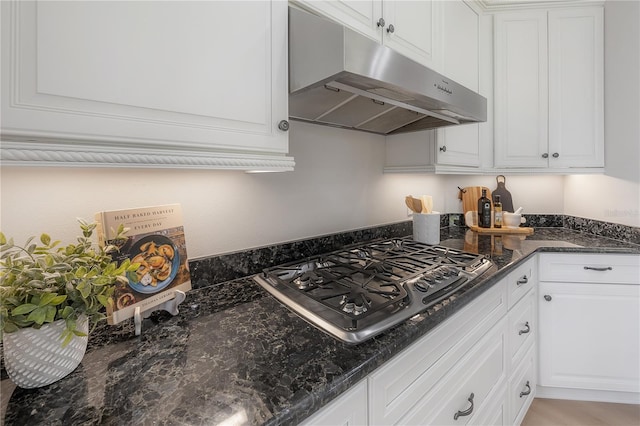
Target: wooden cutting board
[505,195]
[470,196]
[501,231]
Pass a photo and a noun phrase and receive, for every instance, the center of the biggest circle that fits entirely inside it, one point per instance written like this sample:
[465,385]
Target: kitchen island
[235,355]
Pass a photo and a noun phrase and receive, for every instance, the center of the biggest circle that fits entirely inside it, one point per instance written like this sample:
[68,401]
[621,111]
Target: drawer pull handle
[527,392]
[465,412]
[547,298]
[522,280]
[526,330]
[593,268]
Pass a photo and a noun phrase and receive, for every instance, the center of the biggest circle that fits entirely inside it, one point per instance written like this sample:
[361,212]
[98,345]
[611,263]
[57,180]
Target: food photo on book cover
[156,241]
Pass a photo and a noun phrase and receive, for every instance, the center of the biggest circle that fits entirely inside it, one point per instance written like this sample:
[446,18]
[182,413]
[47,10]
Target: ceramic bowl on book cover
[159,263]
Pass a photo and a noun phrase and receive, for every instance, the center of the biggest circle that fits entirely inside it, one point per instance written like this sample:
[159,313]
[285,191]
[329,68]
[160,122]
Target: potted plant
[50,295]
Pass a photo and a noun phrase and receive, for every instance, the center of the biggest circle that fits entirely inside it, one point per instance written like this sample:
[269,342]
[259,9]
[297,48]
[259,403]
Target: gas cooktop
[360,291]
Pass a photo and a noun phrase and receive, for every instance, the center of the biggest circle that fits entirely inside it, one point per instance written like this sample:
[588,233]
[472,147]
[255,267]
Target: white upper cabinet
[152,84]
[452,149]
[576,79]
[408,27]
[549,89]
[459,145]
[521,88]
[411,28]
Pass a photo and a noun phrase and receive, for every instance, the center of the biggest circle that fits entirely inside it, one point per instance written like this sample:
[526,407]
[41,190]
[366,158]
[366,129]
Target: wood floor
[557,412]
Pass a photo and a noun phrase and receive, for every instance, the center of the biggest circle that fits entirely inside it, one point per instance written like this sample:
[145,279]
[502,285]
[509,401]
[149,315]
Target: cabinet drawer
[481,373]
[522,326]
[522,388]
[406,379]
[590,268]
[520,281]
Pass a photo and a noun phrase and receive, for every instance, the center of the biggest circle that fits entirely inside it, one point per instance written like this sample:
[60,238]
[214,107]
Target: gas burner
[360,291]
[307,280]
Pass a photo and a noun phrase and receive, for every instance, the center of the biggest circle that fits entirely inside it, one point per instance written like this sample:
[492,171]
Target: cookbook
[156,241]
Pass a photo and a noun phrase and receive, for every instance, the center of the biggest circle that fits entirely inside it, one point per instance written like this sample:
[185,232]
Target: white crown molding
[16,153]
[505,5]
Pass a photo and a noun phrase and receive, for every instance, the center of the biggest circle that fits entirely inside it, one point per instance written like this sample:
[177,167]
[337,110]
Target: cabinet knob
[545,155]
[555,155]
[283,125]
[381,22]
[527,392]
[443,148]
[465,412]
[522,280]
[547,298]
[391,29]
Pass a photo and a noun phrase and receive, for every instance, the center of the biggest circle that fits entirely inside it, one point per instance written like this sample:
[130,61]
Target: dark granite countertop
[250,361]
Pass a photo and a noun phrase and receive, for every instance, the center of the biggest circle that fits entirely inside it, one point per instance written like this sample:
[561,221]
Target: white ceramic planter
[35,358]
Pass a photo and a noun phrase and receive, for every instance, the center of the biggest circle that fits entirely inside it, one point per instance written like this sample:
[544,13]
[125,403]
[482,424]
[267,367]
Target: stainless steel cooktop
[360,291]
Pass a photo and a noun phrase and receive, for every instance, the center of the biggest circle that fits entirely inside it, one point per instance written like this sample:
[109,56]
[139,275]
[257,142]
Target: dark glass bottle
[484,211]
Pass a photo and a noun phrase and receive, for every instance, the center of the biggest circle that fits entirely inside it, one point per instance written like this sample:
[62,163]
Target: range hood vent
[338,77]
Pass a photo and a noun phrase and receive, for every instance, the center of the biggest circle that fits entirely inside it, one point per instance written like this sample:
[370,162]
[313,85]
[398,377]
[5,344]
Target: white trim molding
[75,155]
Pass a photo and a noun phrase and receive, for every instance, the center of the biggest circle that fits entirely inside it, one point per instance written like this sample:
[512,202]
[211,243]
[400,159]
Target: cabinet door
[459,145]
[470,388]
[411,29]
[182,76]
[521,88]
[576,118]
[589,336]
[359,15]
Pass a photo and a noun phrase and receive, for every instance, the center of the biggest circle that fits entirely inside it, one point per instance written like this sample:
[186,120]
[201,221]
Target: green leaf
[68,310]
[104,300]
[3,239]
[58,300]
[38,315]
[67,337]
[50,314]
[46,239]
[23,309]
[46,298]
[79,333]
[86,289]
[81,272]
[10,327]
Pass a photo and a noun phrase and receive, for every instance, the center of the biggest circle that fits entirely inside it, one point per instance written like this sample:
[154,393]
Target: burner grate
[356,287]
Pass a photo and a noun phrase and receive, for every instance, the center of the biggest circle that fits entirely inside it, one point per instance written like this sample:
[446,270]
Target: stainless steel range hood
[338,77]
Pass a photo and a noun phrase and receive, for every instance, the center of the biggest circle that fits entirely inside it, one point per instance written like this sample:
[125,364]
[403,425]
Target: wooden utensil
[417,205]
[427,204]
[408,200]
[414,204]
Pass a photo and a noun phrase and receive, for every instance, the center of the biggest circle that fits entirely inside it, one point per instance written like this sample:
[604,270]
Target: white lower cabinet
[589,315]
[463,395]
[530,332]
[433,379]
